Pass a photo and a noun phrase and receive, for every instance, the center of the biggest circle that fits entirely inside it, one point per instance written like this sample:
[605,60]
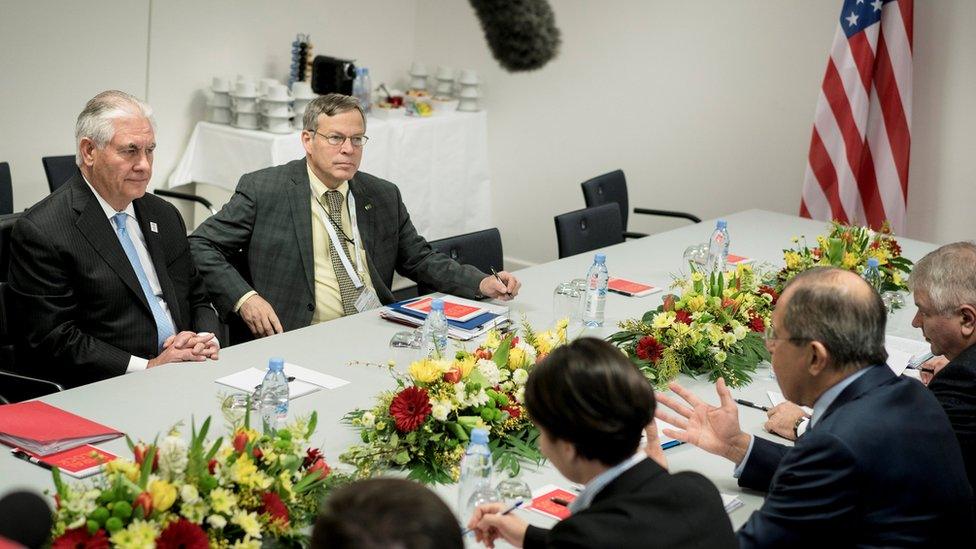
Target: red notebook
[43,429]
[631,288]
[78,462]
[553,503]
[452,310]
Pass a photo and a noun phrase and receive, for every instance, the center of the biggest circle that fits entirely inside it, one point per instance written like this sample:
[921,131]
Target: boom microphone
[25,518]
[521,34]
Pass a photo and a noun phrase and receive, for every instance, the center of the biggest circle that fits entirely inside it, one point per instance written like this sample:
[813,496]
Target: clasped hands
[187,346]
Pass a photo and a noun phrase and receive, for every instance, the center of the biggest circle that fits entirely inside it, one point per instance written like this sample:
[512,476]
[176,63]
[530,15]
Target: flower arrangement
[713,326]
[423,425]
[849,247]
[240,492]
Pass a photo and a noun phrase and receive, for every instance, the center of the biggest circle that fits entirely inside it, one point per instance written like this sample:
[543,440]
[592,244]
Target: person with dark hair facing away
[879,465]
[591,404]
[382,513]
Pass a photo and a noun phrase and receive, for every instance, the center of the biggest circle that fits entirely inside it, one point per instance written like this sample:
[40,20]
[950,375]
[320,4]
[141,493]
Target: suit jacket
[881,468]
[81,311]
[645,507]
[266,230]
[955,389]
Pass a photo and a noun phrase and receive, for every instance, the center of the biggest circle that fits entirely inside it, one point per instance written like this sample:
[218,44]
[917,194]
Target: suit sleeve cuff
[535,537]
[742,464]
[136,364]
[240,302]
[802,427]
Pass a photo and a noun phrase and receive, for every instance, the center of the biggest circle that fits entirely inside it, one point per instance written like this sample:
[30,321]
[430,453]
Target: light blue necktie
[164,327]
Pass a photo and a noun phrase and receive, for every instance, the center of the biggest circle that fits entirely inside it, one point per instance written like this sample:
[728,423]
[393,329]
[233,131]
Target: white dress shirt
[139,242]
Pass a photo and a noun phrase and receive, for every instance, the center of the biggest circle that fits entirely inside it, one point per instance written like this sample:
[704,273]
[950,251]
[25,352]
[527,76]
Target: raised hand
[714,429]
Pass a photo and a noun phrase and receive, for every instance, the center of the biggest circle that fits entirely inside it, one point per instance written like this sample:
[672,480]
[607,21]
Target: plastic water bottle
[474,486]
[595,302]
[361,88]
[718,247]
[273,396]
[871,274]
[434,332]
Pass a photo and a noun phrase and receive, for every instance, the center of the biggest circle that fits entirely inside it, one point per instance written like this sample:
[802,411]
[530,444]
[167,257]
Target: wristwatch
[796,426]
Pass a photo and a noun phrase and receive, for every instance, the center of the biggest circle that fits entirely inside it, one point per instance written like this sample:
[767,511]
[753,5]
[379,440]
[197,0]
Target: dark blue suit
[881,468]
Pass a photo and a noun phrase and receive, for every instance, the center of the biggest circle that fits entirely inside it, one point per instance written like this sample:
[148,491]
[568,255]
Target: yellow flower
[426,370]
[493,340]
[543,343]
[697,277]
[663,320]
[696,303]
[793,260]
[247,543]
[850,260]
[163,494]
[125,467]
[248,522]
[516,358]
[137,535]
[721,356]
[896,278]
[466,366]
[222,500]
[715,333]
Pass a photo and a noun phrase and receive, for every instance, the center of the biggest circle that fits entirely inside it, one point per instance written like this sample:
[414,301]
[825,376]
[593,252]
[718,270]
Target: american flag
[857,169]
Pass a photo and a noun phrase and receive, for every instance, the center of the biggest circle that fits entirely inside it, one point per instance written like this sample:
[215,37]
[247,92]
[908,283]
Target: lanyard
[338,244]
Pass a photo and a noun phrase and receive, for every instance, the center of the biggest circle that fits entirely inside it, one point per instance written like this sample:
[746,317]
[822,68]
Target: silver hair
[948,276]
[97,119]
[851,326]
[330,105]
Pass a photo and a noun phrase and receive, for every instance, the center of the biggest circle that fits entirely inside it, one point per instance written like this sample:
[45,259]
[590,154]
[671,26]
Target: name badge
[153,227]
[367,300]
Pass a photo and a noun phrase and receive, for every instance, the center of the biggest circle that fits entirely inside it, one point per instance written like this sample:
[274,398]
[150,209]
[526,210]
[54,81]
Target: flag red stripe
[803,209]
[833,89]
[826,174]
[896,123]
[907,8]
[863,57]
[867,185]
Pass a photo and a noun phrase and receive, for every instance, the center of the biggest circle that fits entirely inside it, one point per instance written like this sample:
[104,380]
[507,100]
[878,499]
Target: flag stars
[852,19]
[877,5]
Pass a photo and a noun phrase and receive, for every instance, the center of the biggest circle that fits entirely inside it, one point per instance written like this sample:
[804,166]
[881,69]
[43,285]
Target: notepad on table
[306,381]
[552,501]
[80,462]
[42,429]
[631,288]
[731,502]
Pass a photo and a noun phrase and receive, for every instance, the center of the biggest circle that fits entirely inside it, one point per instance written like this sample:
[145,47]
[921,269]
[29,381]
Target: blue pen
[514,506]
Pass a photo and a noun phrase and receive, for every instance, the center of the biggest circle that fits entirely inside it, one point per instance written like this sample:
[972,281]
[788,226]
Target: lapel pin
[153,227]
[368,207]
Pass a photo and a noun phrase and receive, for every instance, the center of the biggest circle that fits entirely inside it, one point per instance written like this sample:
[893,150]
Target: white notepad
[306,381]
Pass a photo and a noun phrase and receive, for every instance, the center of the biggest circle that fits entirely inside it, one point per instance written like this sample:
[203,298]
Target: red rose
[482,354]
[182,534]
[140,452]
[452,376]
[275,508]
[320,467]
[410,409]
[648,348]
[669,302]
[257,453]
[757,324]
[212,466]
[143,502]
[514,412]
[311,456]
[79,538]
[771,292]
[683,317]
[240,441]
[515,341]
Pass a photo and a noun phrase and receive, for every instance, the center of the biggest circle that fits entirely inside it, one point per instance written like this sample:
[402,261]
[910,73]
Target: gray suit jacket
[262,240]
[80,310]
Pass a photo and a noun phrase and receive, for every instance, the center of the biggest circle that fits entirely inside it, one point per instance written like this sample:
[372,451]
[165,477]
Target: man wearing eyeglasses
[879,465]
[316,239]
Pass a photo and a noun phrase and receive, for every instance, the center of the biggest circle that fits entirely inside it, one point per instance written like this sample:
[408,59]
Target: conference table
[152,401]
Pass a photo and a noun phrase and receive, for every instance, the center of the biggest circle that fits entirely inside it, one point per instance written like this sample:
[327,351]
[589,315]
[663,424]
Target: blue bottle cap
[479,436]
[873,262]
[600,258]
[437,305]
[721,224]
[276,364]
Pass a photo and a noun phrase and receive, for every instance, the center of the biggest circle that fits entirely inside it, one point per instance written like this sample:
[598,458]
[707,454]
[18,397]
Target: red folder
[43,429]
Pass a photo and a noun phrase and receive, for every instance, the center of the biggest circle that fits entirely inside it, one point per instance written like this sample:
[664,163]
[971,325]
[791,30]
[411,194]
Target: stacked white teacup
[244,104]
[302,94]
[276,108]
[219,103]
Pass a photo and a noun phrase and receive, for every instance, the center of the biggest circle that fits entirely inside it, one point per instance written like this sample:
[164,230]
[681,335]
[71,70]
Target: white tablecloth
[439,163]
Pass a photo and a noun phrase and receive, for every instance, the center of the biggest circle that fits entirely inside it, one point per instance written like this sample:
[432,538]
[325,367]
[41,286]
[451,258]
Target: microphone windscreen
[25,518]
[521,34]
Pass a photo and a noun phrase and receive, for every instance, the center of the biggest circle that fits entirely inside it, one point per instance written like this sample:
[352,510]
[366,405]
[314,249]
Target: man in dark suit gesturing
[101,276]
[315,239]
[879,465]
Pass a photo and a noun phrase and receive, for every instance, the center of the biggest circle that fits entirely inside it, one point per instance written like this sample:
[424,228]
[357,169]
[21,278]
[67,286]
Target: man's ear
[819,358]
[967,324]
[87,149]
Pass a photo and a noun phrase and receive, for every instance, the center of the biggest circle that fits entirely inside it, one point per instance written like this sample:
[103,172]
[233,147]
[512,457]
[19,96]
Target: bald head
[840,310]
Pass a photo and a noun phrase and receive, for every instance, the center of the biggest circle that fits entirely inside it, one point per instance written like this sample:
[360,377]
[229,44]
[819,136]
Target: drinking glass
[234,407]
[407,345]
[697,254]
[565,302]
[513,489]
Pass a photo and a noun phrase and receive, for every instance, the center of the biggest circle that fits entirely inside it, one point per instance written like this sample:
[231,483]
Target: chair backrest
[607,188]
[59,170]
[588,229]
[6,229]
[6,341]
[18,388]
[481,249]
[6,190]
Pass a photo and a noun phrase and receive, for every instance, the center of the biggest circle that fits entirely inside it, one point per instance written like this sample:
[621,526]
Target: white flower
[520,376]
[478,399]
[520,394]
[216,521]
[530,352]
[740,331]
[173,457]
[195,512]
[368,420]
[503,375]
[490,370]
[729,339]
[440,410]
[507,386]
[189,493]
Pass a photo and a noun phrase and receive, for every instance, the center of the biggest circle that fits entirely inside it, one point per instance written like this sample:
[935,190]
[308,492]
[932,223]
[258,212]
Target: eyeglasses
[769,336]
[336,140]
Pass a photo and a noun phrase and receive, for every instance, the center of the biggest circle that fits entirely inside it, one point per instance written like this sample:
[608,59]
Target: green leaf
[147,467]
[313,422]
[500,357]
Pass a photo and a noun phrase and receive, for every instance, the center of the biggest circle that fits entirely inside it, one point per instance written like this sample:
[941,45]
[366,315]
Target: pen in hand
[514,506]
[494,273]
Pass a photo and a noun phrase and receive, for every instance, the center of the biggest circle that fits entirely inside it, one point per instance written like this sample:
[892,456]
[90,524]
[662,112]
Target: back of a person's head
[386,513]
[589,394]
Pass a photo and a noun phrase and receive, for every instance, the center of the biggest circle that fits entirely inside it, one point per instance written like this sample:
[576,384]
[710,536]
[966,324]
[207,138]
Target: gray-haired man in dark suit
[101,278]
[315,239]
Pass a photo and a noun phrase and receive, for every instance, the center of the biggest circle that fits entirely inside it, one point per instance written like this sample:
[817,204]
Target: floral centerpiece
[423,425]
[712,326]
[849,247]
[244,491]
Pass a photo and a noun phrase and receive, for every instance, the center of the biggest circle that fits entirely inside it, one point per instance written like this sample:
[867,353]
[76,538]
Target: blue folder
[471,324]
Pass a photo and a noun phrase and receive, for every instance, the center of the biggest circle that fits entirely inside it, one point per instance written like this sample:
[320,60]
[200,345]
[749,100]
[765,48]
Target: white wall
[57,55]
[707,106]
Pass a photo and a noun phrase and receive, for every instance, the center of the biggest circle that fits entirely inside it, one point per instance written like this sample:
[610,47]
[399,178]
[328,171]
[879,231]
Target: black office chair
[59,169]
[6,190]
[14,387]
[481,249]
[588,229]
[612,187]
